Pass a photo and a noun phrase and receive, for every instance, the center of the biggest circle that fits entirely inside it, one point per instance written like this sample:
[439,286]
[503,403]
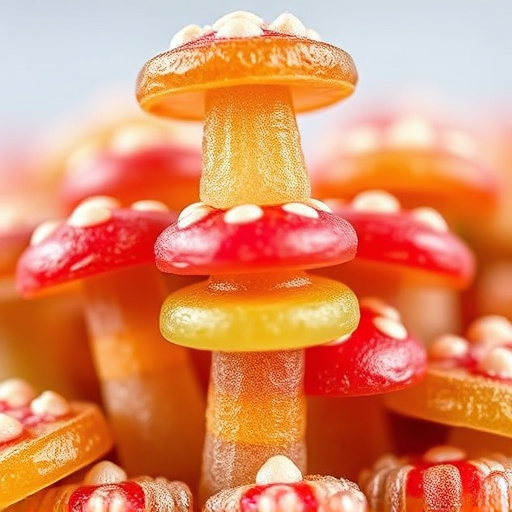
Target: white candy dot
[105,472]
[376,201]
[43,231]
[380,307]
[340,340]
[313,34]
[440,454]
[278,469]
[246,15]
[10,428]
[16,392]
[412,131]
[192,214]
[243,214]
[300,209]
[497,363]
[50,403]
[493,328]
[390,327]
[287,23]
[185,35]
[93,211]
[319,205]
[239,27]
[448,346]
[431,218]
[150,205]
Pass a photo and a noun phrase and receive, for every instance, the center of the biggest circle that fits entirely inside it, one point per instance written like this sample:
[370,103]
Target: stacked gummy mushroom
[255,231]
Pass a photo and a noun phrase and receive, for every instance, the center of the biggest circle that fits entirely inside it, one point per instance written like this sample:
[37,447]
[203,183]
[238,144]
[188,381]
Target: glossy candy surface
[249,238]
[417,241]
[44,438]
[468,381]
[281,487]
[258,312]
[378,357]
[443,479]
[244,50]
[95,239]
[106,487]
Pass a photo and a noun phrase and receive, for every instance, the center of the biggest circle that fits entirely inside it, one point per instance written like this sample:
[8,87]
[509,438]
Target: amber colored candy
[468,381]
[442,479]
[44,438]
[106,486]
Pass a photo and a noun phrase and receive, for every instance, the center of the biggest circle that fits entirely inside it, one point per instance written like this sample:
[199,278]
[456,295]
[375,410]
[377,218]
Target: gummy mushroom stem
[251,148]
[121,308]
[256,409]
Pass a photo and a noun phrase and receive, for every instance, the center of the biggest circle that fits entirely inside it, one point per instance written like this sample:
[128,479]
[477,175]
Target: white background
[56,54]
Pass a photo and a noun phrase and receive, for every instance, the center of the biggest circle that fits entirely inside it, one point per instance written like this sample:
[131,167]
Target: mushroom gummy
[259,309]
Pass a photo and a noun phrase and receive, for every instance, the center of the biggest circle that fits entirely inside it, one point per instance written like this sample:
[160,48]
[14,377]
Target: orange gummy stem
[256,409]
[149,388]
[251,148]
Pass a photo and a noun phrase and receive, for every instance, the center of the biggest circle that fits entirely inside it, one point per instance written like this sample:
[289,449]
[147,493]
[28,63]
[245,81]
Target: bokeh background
[56,55]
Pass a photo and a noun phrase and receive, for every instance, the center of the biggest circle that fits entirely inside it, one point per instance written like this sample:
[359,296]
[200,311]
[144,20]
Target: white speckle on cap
[239,27]
[10,428]
[150,205]
[278,470]
[319,205]
[390,327]
[236,15]
[243,214]
[448,346]
[300,209]
[376,201]
[287,23]
[430,217]
[43,231]
[50,403]
[93,211]
[497,363]
[444,453]
[192,214]
[105,472]
[185,35]
[16,392]
[380,307]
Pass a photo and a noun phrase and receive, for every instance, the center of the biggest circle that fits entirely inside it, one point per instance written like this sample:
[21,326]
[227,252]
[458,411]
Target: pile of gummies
[290,341]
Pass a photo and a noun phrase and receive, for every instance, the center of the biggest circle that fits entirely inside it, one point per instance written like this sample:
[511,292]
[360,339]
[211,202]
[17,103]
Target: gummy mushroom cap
[242,50]
[250,238]
[417,242]
[378,357]
[97,238]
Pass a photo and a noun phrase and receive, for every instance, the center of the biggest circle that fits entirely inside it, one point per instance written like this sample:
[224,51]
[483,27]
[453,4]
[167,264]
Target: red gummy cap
[159,171]
[251,238]
[417,240]
[378,357]
[97,238]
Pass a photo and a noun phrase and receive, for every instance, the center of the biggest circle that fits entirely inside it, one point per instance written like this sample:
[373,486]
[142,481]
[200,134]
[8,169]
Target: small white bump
[133,137]
[431,218]
[16,392]
[460,143]
[235,15]
[43,231]
[361,140]
[287,23]
[117,503]
[239,27]
[319,205]
[390,327]
[313,35]
[243,214]
[376,201]
[150,205]
[448,346]
[278,470]
[266,504]
[92,212]
[105,472]
[50,403]
[494,328]
[381,308]
[301,209]
[192,214]
[350,500]
[185,35]
[497,363]
[440,454]
[96,503]
[412,131]
[340,340]
[10,428]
